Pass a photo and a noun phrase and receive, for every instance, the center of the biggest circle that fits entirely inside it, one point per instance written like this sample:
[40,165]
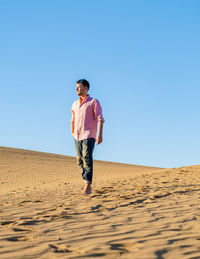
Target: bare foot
[88,189]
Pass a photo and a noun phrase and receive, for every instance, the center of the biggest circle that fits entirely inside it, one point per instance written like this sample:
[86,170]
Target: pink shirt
[85,116]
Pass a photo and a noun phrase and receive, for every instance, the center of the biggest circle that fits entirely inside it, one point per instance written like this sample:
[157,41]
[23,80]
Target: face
[81,90]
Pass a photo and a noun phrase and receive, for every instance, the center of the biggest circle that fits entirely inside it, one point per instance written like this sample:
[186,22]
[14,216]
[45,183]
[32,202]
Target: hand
[99,140]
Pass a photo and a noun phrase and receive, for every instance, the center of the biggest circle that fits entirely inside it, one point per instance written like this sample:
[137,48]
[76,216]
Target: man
[86,115]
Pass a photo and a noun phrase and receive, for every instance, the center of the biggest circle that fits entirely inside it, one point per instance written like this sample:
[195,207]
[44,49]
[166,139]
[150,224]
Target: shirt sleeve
[98,111]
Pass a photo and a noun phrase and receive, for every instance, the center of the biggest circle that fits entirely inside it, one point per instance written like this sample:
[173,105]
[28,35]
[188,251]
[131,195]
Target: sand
[133,211]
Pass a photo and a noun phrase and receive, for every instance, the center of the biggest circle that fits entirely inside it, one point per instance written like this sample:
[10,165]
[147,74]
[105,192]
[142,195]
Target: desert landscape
[133,211]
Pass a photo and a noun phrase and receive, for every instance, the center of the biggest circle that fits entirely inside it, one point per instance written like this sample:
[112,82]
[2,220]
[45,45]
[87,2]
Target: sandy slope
[133,212]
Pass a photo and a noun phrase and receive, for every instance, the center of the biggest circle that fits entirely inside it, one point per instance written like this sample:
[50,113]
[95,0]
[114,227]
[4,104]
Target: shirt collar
[86,98]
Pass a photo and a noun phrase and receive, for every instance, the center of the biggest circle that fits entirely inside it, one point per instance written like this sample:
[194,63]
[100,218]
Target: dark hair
[84,82]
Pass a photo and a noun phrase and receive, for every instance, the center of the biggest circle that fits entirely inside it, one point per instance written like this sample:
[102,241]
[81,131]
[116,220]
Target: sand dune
[133,212]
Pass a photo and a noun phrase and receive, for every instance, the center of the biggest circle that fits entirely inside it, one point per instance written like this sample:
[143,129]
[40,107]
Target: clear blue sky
[142,59]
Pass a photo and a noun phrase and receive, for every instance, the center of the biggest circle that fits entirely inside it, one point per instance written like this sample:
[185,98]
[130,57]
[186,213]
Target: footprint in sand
[160,195]
[60,248]
[25,201]
[19,238]
[3,223]
[26,217]
[135,202]
[31,222]
[125,247]
[96,208]
[65,249]
[22,229]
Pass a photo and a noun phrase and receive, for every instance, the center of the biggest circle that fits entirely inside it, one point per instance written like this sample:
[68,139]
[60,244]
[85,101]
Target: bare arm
[99,139]
[72,127]
[73,123]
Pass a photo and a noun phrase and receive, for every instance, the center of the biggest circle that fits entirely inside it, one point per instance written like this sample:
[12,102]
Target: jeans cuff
[86,181]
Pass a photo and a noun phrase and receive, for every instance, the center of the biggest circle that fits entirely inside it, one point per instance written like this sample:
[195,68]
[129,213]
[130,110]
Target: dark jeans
[84,150]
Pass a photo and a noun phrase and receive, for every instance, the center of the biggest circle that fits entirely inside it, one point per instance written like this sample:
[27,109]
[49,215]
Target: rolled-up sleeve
[98,111]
